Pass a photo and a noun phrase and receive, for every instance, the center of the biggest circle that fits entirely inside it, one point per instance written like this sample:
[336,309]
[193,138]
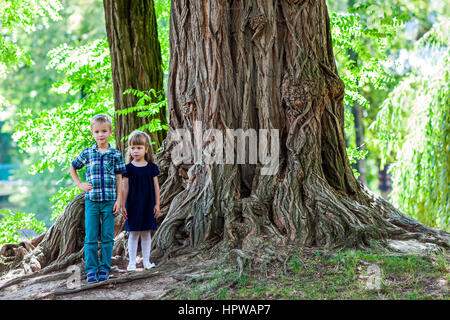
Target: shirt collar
[95,148]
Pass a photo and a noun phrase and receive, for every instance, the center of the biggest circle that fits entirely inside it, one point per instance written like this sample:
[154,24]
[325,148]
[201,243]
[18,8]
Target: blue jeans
[98,213]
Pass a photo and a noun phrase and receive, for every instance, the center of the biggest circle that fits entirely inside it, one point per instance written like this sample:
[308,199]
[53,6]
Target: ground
[291,273]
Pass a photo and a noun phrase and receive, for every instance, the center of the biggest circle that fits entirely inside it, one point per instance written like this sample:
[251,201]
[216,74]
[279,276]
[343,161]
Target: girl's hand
[124,213]
[156,210]
[85,186]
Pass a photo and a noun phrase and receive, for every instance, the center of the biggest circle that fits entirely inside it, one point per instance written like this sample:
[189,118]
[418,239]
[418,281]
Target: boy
[105,167]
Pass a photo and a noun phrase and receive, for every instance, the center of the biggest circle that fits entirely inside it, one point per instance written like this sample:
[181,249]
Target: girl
[141,197]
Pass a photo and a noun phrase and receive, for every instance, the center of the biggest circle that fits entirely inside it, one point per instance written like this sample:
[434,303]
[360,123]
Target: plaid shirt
[101,172]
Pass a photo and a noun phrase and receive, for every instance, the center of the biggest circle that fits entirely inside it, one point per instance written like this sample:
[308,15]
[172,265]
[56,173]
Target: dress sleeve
[125,174]
[155,170]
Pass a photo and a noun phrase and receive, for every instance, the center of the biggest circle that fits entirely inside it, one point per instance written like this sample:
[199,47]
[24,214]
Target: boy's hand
[85,186]
[124,213]
[116,208]
[156,210]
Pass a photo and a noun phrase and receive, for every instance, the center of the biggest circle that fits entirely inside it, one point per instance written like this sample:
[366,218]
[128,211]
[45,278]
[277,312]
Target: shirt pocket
[109,166]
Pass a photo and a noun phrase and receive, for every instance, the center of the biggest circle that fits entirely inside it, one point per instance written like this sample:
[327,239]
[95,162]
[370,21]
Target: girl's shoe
[91,277]
[131,267]
[103,275]
[149,265]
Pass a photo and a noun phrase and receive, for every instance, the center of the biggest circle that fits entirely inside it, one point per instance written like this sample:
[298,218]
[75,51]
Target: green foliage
[353,155]
[20,16]
[34,193]
[149,104]
[33,87]
[13,223]
[413,130]
[62,197]
[60,133]
[162,11]
[361,35]
[360,40]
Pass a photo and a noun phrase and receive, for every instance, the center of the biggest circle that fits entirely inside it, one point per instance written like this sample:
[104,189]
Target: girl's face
[138,151]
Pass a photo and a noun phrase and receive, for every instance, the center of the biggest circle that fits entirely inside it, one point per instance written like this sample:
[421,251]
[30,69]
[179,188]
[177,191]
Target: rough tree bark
[135,61]
[265,64]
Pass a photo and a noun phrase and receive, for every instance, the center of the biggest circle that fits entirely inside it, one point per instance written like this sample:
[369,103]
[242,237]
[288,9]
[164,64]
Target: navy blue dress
[141,197]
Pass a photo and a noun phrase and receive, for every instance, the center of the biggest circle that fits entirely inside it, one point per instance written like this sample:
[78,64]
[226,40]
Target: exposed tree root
[123,279]
[70,260]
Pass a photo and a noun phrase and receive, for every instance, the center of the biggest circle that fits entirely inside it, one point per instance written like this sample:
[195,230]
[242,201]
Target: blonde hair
[143,139]
[101,118]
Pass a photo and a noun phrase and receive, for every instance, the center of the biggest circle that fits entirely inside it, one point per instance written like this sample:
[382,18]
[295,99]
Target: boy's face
[101,132]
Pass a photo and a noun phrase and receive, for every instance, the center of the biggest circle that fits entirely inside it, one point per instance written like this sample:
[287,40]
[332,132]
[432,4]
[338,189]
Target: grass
[319,274]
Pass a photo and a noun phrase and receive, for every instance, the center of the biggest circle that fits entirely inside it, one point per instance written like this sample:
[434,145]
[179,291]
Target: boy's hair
[140,138]
[101,118]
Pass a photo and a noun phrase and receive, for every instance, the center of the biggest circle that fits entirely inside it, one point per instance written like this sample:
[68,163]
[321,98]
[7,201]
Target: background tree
[413,123]
[136,62]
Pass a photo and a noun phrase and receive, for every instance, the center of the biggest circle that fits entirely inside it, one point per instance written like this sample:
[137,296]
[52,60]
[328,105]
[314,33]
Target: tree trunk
[264,65]
[359,137]
[384,180]
[135,61]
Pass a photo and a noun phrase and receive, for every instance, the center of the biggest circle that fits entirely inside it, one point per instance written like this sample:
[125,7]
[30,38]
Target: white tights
[146,246]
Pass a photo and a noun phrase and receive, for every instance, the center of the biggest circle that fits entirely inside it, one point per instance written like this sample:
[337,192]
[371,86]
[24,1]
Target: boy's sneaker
[91,277]
[149,265]
[131,267]
[103,275]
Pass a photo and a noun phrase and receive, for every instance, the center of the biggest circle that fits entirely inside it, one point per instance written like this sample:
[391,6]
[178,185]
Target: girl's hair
[143,139]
